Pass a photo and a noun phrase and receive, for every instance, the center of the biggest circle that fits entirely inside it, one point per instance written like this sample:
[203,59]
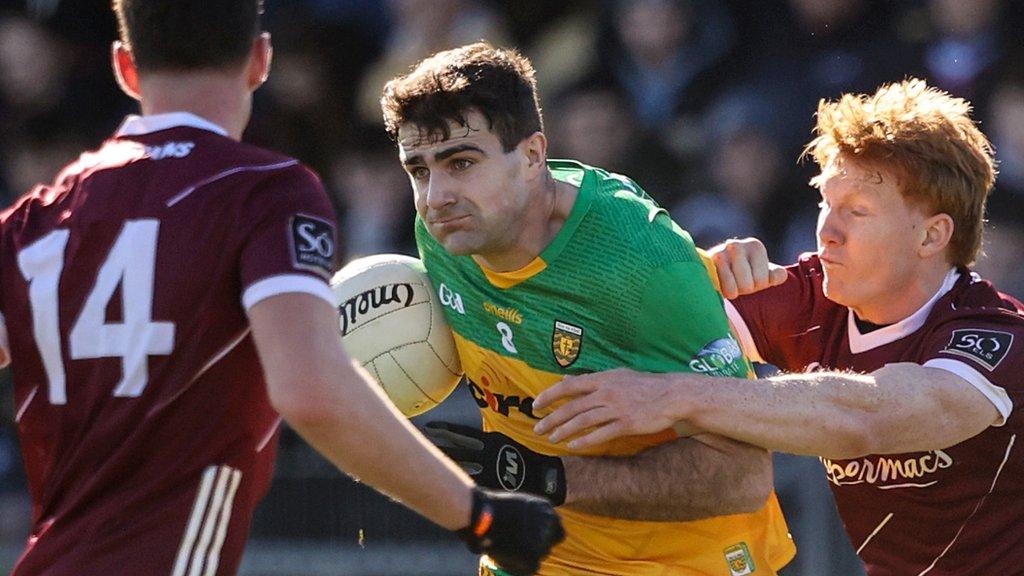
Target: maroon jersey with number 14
[144,421]
[958,511]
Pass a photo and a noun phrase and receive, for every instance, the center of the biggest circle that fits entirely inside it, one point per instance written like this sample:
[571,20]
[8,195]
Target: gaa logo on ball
[393,324]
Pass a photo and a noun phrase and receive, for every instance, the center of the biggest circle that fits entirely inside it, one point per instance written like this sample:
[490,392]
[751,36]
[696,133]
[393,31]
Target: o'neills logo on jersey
[901,471]
[721,357]
[510,314]
[372,303]
[566,341]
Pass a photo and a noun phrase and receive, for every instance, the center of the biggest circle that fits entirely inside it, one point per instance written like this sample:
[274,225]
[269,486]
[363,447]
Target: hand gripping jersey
[955,511]
[145,426]
[621,285]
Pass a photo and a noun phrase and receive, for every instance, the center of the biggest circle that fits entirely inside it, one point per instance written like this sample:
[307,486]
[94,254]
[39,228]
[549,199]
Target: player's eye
[419,172]
[460,164]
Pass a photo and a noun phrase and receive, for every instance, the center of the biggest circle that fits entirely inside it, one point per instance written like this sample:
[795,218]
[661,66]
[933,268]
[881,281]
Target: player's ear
[937,233]
[125,72]
[259,61]
[535,152]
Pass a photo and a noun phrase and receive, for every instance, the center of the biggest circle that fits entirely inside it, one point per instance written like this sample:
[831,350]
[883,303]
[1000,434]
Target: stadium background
[706,103]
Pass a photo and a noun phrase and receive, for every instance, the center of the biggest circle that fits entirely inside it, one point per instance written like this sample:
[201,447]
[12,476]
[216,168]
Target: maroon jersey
[955,511]
[145,425]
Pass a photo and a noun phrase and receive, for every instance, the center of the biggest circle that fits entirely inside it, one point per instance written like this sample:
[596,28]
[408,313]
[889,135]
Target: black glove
[516,530]
[497,461]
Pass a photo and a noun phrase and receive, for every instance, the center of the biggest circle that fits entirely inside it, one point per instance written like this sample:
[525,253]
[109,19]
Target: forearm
[687,479]
[360,432]
[898,408]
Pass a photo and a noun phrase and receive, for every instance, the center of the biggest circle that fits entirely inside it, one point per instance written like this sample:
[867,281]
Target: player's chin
[459,244]
[832,287]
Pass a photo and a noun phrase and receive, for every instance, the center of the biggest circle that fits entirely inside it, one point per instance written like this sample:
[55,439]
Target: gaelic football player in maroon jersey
[913,366]
[141,292]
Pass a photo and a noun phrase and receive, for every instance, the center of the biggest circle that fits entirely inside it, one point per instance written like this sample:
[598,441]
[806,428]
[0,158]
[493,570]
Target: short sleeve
[291,238]
[987,351]
[778,325]
[681,325]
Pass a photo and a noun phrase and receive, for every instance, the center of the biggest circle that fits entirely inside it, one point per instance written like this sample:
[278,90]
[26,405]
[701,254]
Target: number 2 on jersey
[130,263]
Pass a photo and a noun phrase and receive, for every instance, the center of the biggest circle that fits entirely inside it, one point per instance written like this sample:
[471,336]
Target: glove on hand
[497,461]
[516,530]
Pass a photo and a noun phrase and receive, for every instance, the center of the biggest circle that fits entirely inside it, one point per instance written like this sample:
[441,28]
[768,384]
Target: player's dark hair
[496,82]
[188,34]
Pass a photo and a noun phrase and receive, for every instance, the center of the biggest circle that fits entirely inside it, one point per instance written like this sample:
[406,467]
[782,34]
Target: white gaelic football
[394,325]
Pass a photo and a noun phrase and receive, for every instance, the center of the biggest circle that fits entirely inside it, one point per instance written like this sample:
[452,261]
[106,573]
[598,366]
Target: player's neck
[901,302]
[550,212]
[213,96]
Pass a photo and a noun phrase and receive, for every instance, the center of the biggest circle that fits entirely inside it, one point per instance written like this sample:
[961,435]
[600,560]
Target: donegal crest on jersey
[620,285]
[565,343]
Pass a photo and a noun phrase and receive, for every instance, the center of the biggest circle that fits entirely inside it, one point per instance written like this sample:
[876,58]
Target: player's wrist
[520,469]
[516,530]
[481,516]
[683,398]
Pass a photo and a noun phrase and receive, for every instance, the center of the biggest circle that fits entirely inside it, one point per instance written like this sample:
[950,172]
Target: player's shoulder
[259,164]
[255,171]
[611,192]
[974,301]
[624,220]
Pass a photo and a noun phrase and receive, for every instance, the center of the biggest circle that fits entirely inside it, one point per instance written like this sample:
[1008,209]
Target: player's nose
[829,228]
[441,190]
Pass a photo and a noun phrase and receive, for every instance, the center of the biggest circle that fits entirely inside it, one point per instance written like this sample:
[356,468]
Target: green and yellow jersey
[620,285]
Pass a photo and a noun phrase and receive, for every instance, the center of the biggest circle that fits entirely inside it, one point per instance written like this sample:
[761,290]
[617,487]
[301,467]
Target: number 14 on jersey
[131,263]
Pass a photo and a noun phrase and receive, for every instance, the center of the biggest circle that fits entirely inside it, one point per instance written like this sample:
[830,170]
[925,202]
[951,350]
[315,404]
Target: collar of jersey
[893,332]
[134,125]
[570,172]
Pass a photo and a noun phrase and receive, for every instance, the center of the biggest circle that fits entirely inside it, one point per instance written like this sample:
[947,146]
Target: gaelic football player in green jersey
[548,268]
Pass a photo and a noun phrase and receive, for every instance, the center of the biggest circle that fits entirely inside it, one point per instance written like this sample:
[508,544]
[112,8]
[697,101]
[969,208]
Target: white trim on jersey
[186,192]
[285,283]
[135,125]
[220,354]
[875,532]
[977,507]
[739,326]
[5,346]
[996,394]
[270,434]
[893,332]
[24,405]
[212,519]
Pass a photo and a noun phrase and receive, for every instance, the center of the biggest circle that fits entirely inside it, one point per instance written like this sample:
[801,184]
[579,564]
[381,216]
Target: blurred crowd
[706,103]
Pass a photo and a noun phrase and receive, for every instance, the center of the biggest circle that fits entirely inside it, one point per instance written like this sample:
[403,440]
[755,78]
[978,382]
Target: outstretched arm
[334,405]
[686,479]
[899,408]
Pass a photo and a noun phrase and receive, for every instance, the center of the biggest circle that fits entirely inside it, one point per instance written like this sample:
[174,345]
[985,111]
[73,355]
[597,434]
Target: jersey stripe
[203,546]
[977,507]
[222,525]
[194,521]
[875,531]
[188,191]
[24,405]
[211,515]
